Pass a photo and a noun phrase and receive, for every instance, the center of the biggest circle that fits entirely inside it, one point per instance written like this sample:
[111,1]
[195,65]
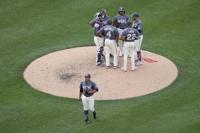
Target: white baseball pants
[138,43]
[127,47]
[88,103]
[111,48]
[120,42]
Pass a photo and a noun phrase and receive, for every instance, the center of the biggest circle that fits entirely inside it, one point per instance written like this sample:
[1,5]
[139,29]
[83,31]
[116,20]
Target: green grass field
[32,28]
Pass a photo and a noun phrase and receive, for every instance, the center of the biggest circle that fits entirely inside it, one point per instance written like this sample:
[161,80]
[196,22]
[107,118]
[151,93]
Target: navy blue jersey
[97,25]
[138,25]
[130,34]
[85,87]
[121,21]
[105,20]
[110,32]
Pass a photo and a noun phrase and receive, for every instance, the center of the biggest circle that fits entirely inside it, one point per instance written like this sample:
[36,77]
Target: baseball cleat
[135,68]
[98,63]
[139,63]
[87,122]
[115,67]
[107,67]
[125,70]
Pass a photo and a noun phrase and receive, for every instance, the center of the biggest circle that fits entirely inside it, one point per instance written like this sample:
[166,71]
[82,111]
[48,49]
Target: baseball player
[138,25]
[97,24]
[129,35]
[111,36]
[87,89]
[120,22]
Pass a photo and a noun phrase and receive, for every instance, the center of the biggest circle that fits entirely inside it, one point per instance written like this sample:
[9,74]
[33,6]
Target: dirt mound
[60,73]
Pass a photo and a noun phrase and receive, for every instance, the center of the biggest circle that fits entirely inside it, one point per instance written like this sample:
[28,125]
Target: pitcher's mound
[60,73]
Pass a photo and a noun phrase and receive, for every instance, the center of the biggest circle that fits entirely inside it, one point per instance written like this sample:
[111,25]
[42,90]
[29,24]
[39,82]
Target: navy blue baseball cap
[135,14]
[109,22]
[121,9]
[87,75]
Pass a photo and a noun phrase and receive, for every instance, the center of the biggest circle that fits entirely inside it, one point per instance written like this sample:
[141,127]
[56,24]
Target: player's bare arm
[115,22]
[122,38]
[116,39]
[100,34]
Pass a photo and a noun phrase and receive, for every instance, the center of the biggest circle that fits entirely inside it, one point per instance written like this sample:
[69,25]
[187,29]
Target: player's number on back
[130,37]
[108,34]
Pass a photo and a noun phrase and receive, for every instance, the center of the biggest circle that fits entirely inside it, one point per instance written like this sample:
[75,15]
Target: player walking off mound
[111,36]
[87,89]
[97,24]
[120,22]
[138,25]
[129,36]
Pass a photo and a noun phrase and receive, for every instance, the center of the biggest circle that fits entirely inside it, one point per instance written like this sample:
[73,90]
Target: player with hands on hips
[129,36]
[120,22]
[111,36]
[87,90]
[97,24]
[138,25]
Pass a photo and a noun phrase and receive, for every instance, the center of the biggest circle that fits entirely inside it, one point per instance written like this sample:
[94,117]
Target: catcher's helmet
[103,11]
[97,15]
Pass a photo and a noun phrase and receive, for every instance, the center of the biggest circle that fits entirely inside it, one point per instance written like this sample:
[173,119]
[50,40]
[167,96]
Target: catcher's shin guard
[99,56]
[139,55]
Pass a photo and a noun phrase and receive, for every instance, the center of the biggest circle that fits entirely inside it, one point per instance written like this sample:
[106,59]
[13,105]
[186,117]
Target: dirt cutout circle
[60,73]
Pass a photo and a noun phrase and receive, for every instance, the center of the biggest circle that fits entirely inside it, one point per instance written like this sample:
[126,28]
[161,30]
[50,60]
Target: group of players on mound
[124,31]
